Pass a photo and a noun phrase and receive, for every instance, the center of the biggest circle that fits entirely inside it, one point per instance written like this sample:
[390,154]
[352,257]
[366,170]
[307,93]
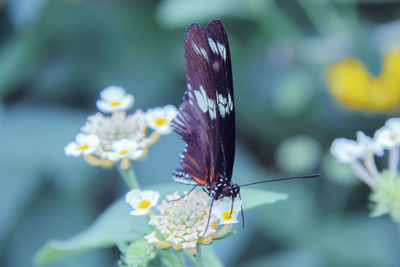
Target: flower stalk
[129,176]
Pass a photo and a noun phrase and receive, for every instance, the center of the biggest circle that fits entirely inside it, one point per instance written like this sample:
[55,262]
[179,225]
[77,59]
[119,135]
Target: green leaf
[113,226]
[253,198]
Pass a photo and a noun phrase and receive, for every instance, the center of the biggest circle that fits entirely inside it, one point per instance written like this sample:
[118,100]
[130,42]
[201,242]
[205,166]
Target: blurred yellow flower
[355,88]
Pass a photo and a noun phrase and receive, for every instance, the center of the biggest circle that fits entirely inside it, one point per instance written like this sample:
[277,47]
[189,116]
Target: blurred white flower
[125,148]
[83,145]
[117,127]
[114,98]
[385,184]
[368,145]
[393,123]
[159,119]
[225,213]
[388,137]
[346,150]
[141,201]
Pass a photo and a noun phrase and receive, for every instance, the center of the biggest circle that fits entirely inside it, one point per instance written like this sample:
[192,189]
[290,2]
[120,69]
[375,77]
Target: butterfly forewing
[206,119]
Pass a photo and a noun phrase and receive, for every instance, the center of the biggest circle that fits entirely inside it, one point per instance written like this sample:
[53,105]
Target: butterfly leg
[241,210]
[185,195]
[209,216]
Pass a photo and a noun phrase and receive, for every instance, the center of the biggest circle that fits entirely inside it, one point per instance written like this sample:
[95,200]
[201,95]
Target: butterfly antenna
[209,216]
[185,195]
[282,179]
[241,210]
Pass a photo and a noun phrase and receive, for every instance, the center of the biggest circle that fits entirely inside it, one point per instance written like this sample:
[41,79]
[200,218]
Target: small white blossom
[83,145]
[222,210]
[159,119]
[114,98]
[368,145]
[346,150]
[142,201]
[388,137]
[393,123]
[125,148]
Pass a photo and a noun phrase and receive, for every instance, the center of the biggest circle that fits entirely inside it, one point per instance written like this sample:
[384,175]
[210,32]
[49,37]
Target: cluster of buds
[138,254]
[184,222]
[360,154]
[120,137]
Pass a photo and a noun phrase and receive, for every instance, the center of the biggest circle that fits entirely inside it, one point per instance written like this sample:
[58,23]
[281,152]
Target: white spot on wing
[212,109]
[212,45]
[223,105]
[230,102]
[201,98]
[222,50]
[204,53]
[196,49]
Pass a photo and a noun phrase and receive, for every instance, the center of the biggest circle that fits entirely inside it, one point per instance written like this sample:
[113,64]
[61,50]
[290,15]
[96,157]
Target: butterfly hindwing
[206,118]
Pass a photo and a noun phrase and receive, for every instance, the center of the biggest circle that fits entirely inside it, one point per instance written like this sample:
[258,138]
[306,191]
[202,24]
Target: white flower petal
[152,238]
[137,198]
[221,209]
[159,119]
[387,137]
[114,98]
[346,150]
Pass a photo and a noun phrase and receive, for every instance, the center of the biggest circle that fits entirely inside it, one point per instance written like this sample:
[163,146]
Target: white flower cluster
[105,140]
[360,153]
[182,222]
[385,184]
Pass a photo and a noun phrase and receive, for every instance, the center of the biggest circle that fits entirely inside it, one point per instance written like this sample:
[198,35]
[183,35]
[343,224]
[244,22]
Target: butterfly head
[223,188]
[230,191]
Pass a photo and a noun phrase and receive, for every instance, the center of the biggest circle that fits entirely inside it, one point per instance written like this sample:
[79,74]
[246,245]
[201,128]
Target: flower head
[121,136]
[159,119]
[142,201]
[83,145]
[385,184]
[114,98]
[183,223]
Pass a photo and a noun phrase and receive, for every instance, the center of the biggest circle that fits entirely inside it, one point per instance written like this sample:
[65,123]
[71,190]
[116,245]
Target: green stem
[129,176]
[198,258]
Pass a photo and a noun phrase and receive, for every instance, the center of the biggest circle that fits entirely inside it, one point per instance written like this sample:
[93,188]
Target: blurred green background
[56,56]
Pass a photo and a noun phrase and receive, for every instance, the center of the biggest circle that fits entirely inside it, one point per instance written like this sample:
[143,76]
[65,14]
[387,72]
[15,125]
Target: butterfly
[206,117]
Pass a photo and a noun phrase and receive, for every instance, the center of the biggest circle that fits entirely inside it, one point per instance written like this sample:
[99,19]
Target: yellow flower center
[394,136]
[160,121]
[115,103]
[144,204]
[226,215]
[123,152]
[83,147]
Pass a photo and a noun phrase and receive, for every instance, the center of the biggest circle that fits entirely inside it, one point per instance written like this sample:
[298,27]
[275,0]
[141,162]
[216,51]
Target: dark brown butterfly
[206,118]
